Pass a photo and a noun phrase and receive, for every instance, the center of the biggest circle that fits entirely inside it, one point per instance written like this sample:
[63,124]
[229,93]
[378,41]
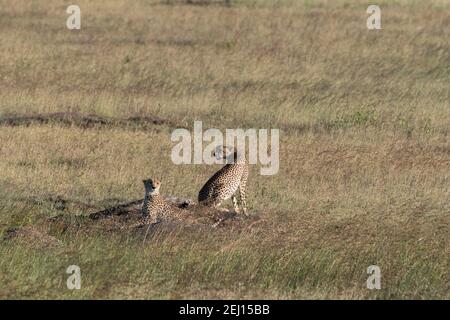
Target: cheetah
[227,181]
[155,208]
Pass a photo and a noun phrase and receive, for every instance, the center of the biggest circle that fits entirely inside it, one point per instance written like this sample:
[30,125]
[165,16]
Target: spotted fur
[155,208]
[225,183]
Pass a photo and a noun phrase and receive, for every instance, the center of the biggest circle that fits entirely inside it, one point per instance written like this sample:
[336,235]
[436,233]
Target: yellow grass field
[364,120]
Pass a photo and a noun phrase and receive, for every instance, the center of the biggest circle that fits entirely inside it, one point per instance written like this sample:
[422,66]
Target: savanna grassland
[364,119]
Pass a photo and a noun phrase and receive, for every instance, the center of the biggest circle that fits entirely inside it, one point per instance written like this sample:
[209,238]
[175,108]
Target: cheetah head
[228,153]
[152,185]
[223,152]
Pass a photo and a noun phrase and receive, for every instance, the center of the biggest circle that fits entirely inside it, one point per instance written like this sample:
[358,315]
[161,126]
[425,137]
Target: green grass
[364,118]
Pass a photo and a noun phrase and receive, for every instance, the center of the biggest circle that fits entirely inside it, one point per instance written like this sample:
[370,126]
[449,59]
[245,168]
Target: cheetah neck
[153,193]
[237,159]
[151,198]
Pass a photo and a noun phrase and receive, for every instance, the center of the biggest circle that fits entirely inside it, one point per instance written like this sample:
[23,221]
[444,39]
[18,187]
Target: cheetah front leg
[235,203]
[150,226]
[216,205]
[243,200]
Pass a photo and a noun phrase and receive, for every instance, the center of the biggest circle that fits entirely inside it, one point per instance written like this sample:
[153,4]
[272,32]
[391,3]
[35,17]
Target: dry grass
[364,151]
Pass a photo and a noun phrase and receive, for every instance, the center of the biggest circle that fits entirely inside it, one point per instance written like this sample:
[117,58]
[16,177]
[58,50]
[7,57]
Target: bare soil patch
[83,121]
[196,215]
[126,219]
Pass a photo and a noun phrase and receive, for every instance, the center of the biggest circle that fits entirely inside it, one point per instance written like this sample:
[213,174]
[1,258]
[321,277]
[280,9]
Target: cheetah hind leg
[235,204]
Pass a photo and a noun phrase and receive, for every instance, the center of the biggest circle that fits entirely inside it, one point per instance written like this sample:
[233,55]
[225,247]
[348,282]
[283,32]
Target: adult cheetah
[227,181]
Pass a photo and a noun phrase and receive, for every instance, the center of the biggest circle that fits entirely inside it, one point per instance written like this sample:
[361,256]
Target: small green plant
[404,124]
[126,60]
[359,118]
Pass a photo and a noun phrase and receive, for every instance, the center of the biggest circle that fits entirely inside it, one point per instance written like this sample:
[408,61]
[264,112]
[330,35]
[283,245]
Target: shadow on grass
[84,121]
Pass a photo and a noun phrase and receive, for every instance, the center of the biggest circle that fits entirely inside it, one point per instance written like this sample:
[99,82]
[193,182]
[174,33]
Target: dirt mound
[32,237]
[127,209]
[82,121]
[126,219]
[195,214]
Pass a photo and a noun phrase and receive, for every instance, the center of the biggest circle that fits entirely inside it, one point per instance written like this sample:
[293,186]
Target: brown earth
[82,121]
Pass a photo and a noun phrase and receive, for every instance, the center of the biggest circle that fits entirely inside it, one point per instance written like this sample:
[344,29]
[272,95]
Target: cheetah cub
[227,181]
[155,208]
